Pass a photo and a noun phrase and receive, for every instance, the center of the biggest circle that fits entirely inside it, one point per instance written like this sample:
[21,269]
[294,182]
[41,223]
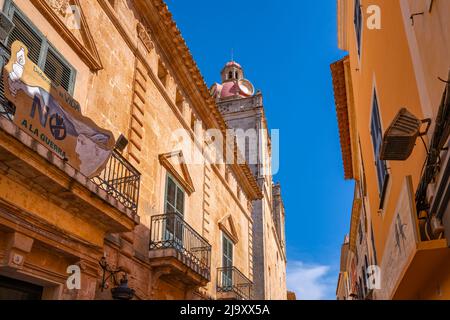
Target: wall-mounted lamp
[121,291]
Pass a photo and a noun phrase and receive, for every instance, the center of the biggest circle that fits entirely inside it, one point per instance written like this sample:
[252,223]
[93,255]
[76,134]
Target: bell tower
[243,110]
[232,72]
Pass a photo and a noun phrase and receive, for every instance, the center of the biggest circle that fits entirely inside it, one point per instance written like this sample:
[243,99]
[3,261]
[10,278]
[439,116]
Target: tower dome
[234,85]
[232,71]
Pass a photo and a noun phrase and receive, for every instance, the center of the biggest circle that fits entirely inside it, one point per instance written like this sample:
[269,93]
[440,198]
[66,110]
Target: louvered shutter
[377,140]
[57,70]
[27,36]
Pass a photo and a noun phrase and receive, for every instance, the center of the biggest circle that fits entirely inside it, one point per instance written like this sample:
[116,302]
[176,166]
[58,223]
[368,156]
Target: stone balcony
[178,251]
[109,200]
[232,284]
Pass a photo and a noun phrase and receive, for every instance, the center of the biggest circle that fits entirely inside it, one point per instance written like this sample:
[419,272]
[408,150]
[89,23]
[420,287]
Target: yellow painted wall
[386,63]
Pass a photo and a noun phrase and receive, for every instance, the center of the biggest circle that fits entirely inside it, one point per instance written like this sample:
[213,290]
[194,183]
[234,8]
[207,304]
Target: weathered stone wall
[128,96]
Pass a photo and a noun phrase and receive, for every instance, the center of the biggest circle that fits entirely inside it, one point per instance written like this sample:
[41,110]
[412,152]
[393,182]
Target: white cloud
[311,282]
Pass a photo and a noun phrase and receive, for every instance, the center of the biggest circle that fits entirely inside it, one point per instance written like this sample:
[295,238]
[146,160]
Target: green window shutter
[24,33]
[57,70]
[227,252]
[40,51]
[227,261]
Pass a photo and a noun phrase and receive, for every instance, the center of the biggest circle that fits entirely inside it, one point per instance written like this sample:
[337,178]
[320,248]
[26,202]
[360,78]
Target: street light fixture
[121,291]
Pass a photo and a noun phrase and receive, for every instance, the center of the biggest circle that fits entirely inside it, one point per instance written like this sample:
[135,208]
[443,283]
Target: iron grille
[121,180]
[170,231]
[231,280]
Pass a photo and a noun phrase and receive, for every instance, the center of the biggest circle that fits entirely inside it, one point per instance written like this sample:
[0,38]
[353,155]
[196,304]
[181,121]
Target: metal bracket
[428,121]
[112,273]
[415,15]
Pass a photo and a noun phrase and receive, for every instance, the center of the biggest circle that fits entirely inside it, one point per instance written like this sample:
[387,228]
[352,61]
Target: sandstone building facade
[392,91]
[154,220]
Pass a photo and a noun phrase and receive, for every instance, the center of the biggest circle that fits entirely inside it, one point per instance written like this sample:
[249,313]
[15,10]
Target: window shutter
[57,71]
[27,36]
[2,95]
[377,140]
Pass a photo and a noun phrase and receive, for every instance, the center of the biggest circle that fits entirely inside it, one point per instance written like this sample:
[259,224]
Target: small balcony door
[174,207]
[227,262]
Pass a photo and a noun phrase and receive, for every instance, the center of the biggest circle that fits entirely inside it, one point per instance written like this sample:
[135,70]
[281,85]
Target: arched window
[230,75]
[237,75]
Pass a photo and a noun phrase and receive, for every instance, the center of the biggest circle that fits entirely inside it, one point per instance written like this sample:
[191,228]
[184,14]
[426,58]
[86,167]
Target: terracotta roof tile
[340,97]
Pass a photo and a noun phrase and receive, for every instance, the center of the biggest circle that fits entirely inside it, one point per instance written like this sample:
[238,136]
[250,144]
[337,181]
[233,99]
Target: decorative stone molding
[59,6]
[228,226]
[136,132]
[145,37]
[54,11]
[207,173]
[184,178]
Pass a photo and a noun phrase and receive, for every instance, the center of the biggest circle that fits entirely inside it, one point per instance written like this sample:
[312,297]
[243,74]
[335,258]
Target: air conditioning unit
[400,138]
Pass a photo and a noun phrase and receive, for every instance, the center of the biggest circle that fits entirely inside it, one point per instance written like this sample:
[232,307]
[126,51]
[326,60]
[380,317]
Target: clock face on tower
[246,87]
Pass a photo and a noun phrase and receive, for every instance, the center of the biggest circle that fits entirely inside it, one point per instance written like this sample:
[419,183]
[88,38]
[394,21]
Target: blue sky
[285,48]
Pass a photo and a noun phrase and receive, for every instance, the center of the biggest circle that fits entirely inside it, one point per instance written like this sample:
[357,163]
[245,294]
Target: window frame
[10,9]
[228,241]
[177,187]
[380,165]
[174,229]
[358,32]
[227,275]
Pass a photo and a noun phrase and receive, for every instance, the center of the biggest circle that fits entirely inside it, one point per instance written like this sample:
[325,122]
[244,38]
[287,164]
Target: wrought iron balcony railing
[232,281]
[170,231]
[119,178]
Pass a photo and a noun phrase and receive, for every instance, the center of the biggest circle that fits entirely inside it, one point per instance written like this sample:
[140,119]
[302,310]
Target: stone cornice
[341,101]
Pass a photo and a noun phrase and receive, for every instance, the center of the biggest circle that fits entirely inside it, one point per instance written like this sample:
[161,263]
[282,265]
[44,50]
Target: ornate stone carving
[145,37]
[61,7]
